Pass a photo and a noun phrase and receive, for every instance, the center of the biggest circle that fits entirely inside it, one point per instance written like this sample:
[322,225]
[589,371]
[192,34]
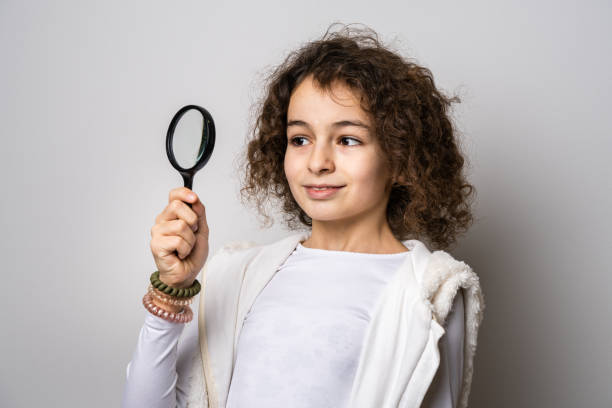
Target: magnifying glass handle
[188,182]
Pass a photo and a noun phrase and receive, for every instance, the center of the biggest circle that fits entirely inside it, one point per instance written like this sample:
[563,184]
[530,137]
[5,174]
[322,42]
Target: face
[330,141]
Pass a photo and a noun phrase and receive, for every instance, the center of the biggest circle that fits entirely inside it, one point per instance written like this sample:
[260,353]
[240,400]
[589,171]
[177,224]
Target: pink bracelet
[167,299]
[184,317]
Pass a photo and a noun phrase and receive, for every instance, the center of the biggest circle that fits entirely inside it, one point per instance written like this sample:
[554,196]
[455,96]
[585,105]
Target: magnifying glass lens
[190,141]
[189,137]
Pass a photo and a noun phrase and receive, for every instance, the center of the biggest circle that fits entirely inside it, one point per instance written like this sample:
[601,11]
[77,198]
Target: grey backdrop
[87,90]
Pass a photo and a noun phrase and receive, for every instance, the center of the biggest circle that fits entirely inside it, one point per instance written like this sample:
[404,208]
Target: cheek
[290,168]
[369,175]
[365,171]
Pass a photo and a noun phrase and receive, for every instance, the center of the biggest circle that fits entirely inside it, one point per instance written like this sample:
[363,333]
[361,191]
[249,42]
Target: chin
[329,215]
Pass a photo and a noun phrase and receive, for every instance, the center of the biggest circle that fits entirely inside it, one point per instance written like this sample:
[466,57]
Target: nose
[321,159]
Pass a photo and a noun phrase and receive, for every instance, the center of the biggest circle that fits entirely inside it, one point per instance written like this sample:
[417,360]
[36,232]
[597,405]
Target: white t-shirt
[300,342]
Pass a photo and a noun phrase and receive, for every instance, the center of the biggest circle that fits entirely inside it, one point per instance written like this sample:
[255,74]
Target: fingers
[200,209]
[178,209]
[182,221]
[184,194]
[164,246]
[175,227]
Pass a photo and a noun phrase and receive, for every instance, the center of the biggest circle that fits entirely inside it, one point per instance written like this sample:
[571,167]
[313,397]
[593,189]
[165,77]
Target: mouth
[322,191]
[321,186]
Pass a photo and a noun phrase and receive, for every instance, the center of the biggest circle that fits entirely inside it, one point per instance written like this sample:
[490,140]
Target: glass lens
[189,140]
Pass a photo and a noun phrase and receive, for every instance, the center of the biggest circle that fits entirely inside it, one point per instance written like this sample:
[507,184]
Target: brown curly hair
[429,198]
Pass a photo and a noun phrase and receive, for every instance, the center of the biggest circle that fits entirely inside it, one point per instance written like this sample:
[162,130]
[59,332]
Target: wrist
[172,289]
[178,285]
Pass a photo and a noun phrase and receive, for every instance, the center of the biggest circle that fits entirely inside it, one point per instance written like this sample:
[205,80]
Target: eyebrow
[335,125]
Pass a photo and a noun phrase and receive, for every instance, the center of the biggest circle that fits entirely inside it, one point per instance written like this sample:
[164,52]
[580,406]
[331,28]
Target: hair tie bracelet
[185,317]
[191,291]
[167,299]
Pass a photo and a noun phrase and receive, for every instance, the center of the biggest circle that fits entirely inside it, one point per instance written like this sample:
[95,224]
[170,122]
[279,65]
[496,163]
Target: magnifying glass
[190,141]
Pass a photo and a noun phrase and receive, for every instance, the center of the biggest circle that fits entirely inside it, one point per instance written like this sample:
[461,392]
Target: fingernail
[192,196]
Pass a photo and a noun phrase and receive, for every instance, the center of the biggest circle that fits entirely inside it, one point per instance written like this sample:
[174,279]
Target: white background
[87,90]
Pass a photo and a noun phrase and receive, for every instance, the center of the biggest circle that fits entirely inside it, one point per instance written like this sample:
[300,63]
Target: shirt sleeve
[156,377]
[445,388]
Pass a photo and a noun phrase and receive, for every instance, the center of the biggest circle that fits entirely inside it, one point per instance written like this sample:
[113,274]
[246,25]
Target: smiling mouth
[322,192]
[322,186]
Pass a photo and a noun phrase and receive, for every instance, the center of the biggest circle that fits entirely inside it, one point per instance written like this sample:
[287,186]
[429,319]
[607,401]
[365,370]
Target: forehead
[308,101]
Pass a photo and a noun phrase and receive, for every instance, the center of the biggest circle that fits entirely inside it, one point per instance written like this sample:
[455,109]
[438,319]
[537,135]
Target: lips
[324,192]
[322,185]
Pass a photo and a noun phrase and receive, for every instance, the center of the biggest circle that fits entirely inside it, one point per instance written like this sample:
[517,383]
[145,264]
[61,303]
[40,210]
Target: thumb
[199,208]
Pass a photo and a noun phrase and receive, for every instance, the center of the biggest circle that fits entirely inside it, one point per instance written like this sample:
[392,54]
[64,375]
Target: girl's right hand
[184,230]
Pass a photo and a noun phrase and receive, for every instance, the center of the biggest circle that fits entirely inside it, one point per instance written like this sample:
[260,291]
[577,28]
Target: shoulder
[229,265]
[231,254]
[238,248]
[240,253]
[443,277]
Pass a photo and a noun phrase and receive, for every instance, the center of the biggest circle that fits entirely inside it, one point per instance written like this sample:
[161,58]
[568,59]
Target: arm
[157,373]
[445,388]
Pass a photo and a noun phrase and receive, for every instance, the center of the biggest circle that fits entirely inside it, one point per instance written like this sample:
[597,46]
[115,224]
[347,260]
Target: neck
[373,238]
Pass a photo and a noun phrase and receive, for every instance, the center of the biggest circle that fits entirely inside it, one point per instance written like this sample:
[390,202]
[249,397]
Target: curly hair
[430,197]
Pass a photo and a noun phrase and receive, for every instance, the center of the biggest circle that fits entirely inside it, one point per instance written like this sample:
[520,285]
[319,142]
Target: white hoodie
[400,355]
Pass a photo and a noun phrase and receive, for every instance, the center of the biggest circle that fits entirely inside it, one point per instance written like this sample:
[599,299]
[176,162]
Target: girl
[352,311]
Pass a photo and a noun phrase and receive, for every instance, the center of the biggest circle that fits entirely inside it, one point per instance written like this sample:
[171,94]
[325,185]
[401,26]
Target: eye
[350,138]
[293,139]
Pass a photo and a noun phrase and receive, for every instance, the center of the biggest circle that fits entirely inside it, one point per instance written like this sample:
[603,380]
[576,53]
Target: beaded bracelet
[185,317]
[191,291]
[167,299]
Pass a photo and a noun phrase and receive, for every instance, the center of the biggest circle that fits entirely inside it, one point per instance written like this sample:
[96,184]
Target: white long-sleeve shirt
[300,341]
